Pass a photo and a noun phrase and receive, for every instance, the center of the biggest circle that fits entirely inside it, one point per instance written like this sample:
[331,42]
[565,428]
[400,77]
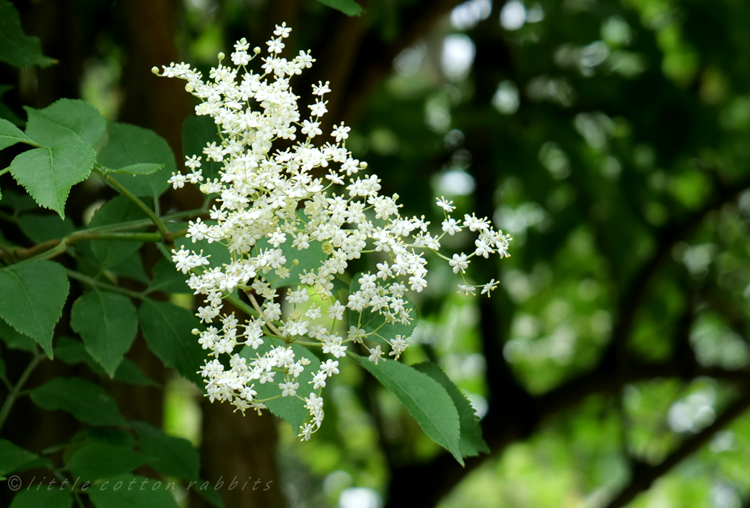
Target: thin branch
[103,285]
[644,475]
[15,392]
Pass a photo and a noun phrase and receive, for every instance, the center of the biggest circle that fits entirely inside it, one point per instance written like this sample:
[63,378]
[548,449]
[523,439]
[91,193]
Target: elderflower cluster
[277,208]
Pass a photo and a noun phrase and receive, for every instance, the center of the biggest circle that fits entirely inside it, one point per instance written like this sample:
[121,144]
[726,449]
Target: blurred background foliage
[611,138]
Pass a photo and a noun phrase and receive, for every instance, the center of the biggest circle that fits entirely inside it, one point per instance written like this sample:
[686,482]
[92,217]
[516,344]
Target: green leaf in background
[107,494]
[73,351]
[138,169]
[115,211]
[99,460]
[39,290]
[168,329]
[2,367]
[348,7]
[43,498]
[168,279]
[107,322]
[10,135]
[17,48]
[471,443]
[169,455]
[47,174]
[290,409]
[15,340]
[424,398]
[173,457]
[371,321]
[128,145]
[106,435]
[40,228]
[129,372]
[65,121]
[197,131]
[87,401]
[13,457]
[18,201]
[130,267]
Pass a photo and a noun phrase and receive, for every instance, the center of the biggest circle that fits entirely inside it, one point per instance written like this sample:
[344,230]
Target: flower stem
[140,204]
[15,391]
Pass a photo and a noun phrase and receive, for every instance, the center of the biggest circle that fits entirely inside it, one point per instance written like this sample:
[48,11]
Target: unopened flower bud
[155,70]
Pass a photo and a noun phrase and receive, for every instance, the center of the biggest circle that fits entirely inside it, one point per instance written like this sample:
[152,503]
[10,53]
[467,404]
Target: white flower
[289,389]
[459,263]
[275,208]
[445,205]
[398,346]
[375,355]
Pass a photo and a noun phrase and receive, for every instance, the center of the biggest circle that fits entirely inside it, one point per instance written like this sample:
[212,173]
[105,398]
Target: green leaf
[299,260]
[169,455]
[129,372]
[167,329]
[128,145]
[12,457]
[348,7]
[115,211]
[106,435]
[40,228]
[17,48]
[85,400]
[65,121]
[39,290]
[371,321]
[107,323]
[138,169]
[47,174]
[168,279]
[131,267]
[10,135]
[73,351]
[18,202]
[124,491]
[424,398]
[197,131]
[290,409]
[34,498]
[471,443]
[99,460]
[15,340]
